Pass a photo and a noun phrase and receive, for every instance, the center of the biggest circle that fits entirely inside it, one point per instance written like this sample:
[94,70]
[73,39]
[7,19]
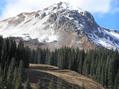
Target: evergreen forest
[100,64]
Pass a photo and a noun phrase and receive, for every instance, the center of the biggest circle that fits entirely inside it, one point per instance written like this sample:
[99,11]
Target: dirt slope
[37,71]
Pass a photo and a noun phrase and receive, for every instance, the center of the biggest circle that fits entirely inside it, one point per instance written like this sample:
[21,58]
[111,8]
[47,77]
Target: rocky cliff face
[60,25]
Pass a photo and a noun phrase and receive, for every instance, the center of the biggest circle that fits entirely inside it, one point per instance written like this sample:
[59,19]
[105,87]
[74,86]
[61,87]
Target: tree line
[14,58]
[100,64]
[9,50]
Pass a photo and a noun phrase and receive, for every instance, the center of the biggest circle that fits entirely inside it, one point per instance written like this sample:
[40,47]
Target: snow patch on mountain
[48,25]
[30,28]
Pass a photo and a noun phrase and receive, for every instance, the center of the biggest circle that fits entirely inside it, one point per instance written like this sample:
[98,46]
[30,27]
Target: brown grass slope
[39,71]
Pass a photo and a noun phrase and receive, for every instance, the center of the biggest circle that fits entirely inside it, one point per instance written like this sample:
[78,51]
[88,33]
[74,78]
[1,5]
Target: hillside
[44,73]
[58,26]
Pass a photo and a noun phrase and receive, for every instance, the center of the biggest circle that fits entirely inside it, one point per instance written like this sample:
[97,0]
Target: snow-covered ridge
[59,23]
[23,25]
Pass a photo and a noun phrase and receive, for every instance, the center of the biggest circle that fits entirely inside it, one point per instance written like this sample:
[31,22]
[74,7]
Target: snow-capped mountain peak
[60,25]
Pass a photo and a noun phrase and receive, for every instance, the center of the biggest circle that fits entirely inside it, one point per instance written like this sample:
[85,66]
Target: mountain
[60,25]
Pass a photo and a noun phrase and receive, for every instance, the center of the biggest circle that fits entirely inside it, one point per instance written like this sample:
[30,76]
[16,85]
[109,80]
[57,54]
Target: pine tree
[27,84]
[116,83]
[19,75]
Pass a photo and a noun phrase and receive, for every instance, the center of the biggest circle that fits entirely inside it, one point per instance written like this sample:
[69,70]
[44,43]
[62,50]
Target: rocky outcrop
[57,26]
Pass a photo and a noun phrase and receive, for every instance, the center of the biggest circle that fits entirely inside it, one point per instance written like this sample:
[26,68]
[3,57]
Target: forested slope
[101,65]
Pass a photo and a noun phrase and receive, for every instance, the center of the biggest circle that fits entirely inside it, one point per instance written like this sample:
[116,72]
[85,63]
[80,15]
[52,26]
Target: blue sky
[2,4]
[105,12]
[109,20]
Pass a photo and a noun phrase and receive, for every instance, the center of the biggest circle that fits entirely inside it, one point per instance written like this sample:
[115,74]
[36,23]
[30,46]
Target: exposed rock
[59,25]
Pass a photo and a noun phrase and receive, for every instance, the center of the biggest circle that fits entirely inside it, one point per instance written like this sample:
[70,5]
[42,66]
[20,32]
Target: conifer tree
[27,84]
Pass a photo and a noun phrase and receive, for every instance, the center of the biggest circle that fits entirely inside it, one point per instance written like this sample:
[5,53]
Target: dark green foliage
[13,58]
[27,84]
[9,50]
[100,64]
[13,78]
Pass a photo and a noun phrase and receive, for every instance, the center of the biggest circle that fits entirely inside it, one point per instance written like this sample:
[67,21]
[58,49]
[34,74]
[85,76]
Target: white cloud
[14,7]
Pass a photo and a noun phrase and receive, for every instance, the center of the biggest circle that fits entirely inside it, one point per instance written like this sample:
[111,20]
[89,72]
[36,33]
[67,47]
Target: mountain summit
[60,25]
